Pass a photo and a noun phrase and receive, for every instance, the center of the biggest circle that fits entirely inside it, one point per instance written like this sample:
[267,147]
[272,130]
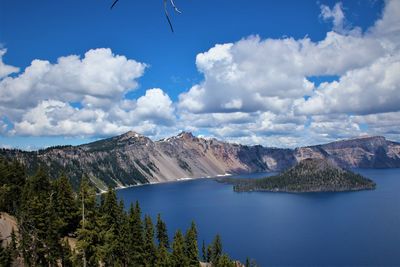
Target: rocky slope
[309,175]
[132,158]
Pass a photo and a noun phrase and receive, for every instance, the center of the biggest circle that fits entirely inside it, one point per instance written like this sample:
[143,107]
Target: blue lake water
[280,229]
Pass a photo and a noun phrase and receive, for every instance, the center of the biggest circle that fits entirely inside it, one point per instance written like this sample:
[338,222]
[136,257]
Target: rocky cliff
[132,158]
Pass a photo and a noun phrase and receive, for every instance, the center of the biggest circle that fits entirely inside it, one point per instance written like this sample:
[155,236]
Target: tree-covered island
[309,175]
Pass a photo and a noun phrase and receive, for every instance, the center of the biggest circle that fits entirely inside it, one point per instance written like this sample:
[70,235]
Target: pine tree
[204,252]
[111,251]
[163,257]
[216,249]
[247,262]
[191,247]
[149,249]
[12,181]
[136,241]
[178,251]
[224,261]
[162,234]
[209,253]
[87,235]
[34,219]
[65,206]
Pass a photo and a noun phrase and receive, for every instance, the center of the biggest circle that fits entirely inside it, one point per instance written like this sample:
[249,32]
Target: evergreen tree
[209,253]
[247,262]
[87,235]
[224,261]
[34,219]
[204,252]
[12,181]
[65,206]
[191,247]
[178,251]
[149,249]
[162,234]
[111,221]
[136,241]
[66,254]
[163,257]
[216,249]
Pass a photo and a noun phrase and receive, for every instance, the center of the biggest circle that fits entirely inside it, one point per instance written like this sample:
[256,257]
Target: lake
[282,229]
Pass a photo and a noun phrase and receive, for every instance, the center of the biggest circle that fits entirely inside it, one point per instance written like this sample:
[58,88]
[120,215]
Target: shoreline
[178,180]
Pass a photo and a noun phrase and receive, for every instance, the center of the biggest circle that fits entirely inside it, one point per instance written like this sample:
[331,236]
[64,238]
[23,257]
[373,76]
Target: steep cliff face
[365,152]
[132,158]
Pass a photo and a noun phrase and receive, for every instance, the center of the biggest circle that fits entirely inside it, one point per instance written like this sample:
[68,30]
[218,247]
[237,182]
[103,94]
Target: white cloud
[155,105]
[5,69]
[54,117]
[254,90]
[98,79]
[335,14]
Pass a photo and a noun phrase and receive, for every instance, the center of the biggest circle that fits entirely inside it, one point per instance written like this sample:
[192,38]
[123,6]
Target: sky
[276,73]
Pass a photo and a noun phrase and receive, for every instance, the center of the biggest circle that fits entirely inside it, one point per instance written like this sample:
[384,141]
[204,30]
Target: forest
[57,226]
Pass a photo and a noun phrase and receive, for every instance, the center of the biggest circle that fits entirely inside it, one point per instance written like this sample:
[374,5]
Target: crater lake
[282,229]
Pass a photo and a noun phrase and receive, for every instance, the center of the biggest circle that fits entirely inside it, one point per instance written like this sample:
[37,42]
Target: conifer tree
[111,250]
[136,242]
[34,219]
[163,257]
[216,249]
[224,261]
[191,246]
[178,251]
[162,234]
[88,238]
[12,181]
[65,206]
[204,252]
[149,249]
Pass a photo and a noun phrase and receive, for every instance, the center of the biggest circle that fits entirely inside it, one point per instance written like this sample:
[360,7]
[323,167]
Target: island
[309,175]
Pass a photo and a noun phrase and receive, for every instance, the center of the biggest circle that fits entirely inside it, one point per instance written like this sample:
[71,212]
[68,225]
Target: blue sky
[178,63]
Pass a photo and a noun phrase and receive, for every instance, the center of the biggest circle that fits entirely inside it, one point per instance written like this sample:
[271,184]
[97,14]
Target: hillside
[309,175]
[131,158]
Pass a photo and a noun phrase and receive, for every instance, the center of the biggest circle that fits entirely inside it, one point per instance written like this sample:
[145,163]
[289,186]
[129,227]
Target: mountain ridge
[132,158]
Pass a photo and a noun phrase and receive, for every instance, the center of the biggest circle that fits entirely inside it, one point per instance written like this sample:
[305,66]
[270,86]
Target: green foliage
[310,175]
[204,252]
[179,258]
[87,235]
[149,248]
[216,249]
[49,213]
[12,181]
[136,240]
[65,205]
[191,246]
[162,234]
[224,261]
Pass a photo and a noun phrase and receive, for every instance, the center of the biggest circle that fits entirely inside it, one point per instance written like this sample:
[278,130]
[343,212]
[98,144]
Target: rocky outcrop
[131,158]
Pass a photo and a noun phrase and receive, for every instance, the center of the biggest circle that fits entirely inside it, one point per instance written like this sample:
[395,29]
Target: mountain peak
[131,134]
[186,135]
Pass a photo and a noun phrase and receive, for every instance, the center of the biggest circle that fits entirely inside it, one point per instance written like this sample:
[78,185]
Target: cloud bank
[254,90]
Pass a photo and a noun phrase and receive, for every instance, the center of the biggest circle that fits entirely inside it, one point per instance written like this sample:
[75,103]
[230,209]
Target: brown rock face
[132,158]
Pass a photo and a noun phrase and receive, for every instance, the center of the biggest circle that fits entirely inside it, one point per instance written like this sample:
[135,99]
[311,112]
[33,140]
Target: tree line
[60,227]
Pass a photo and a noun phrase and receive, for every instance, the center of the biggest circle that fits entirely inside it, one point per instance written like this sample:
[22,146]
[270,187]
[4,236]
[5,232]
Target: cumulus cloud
[335,14]
[40,100]
[270,79]
[97,79]
[254,90]
[5,69]
[54,117]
